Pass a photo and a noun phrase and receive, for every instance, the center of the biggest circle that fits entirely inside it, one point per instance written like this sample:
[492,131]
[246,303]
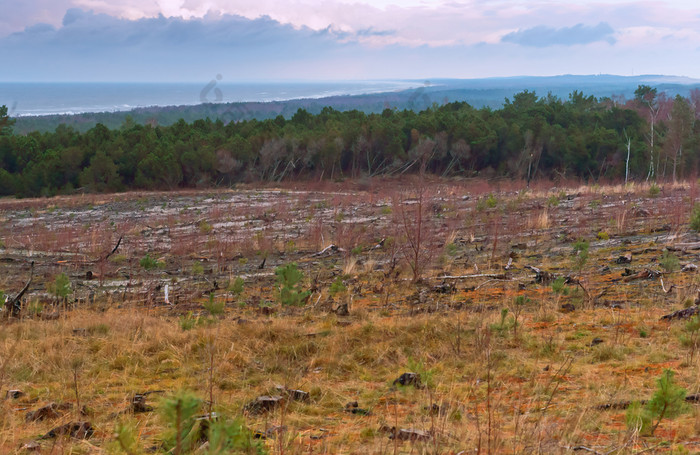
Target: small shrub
[197,268]
[654,190]
[149,263]
[205,227]
[559,286]
[60,287]
[602,235]
[427,376]
[691,336]
[581,251]
[289,280]
[668,401]
[606,352]
[290,246]
[35,308]
[182,427]
[232,436]
[451,249]
[695,218]
[669,262]
[236,286]
[126,438]
[337,287]
[491,201]
[553,201]
[516,308]
[637,418]
[214,307]
[188,321]
[504,324]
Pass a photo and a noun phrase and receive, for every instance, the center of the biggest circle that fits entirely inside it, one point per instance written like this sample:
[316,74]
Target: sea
[41,98]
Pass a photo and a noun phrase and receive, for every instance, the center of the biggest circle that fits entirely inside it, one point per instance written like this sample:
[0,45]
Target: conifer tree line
[652,137]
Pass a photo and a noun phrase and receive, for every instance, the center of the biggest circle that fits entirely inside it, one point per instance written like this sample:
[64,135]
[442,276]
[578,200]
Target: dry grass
[495,389]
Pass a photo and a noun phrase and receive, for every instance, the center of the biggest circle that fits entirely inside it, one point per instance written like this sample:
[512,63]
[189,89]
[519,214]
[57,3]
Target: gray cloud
[91,45]
[94,46]
[542,36]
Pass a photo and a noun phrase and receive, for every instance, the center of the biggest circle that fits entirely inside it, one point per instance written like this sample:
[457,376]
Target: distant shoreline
[165,104]
[37,99]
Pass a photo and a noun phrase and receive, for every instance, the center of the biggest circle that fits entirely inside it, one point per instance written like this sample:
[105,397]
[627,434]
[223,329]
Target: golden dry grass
[495,391]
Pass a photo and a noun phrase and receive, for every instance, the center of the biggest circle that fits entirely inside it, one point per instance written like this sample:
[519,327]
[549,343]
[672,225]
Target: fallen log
[685,313]
[327,251]
[646,274]
[495,276]
[684,246]
[617,405]
[542,276]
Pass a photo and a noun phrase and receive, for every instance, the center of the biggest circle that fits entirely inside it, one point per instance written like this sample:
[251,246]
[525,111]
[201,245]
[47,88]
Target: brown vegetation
[423,278]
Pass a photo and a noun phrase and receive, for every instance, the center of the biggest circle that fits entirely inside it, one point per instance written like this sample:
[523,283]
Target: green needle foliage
[60,287]
[669,262]
[215,307]
[668,401]
[183,430]
[236,286]
[581,252]
[95,151]
[289,279]
[126,438]
[186,431]
[232,437]
[337,287]
[691,337]
[695,218]
[149,263]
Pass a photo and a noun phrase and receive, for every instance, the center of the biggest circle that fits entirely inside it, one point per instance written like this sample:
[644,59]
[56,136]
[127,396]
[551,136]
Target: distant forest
[529,137]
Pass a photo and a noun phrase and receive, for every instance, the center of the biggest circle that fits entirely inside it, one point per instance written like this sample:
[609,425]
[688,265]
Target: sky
[269,40]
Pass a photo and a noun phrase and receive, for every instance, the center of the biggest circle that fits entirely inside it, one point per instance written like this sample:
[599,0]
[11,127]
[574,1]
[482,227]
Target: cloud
[92,45]
[112,41]
[542,36]
[87,29]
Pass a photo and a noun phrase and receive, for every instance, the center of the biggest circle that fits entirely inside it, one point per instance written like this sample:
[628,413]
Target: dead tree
[15,305]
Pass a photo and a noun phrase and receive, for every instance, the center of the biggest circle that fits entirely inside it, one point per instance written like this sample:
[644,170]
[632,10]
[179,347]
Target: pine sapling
[668,401]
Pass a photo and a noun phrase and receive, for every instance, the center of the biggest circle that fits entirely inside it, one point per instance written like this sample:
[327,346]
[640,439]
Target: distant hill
[479,93]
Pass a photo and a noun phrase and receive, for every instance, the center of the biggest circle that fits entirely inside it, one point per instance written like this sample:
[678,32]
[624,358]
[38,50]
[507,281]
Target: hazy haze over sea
[71,98]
